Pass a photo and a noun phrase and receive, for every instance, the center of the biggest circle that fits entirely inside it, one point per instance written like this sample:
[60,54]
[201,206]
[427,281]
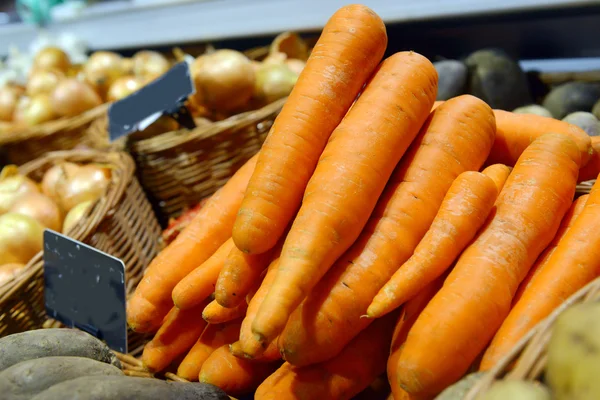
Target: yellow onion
[72,97]
[295,65]
[88,183]
[13,187]
[75,215]
[274,81]
[102,69]
[224,80]
[123,87]
[41,208]
[52,58]
[150,64]
[9,98]
[8,272]
[21,238]
[127,64]
[36,110]
[43,81]
[56,178]
[291,45]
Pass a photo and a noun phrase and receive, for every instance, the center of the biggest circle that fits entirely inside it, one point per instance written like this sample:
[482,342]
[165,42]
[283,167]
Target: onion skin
[43,81]
[41,208]
[38,110]
[14,187]
[72,97]
[8,272]
[123,87]
[52,58]
[89,183]
[21,238]
[56,178]
[295,65]
[150,64]
[75,215]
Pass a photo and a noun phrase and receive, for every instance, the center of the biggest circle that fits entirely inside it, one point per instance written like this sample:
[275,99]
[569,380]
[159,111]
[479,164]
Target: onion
[13,187]
[21,238]
[41,208]
[8,272]
[37,110]
[224,80]
[75,215]
[123,87]
[88,183]
[150,64]
[127,65]
[56,178]
[274,81]
[9,99]
[52,58]
[295,65]
[43,81]
[290,44]
[72,97]
[102,69]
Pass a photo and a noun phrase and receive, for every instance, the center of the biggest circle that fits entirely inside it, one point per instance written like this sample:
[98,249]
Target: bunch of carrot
[375,229]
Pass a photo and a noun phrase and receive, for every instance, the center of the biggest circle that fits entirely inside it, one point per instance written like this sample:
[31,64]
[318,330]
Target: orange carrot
[234,375]
[477,295]
[465,208]
[570,217]
[214,313]
[592,168]
[195,244]
[200,283]
[350,47]
[176,335]
[514,132]
[499,174]
[456,138]
[342,377]
[213,337]
[352,172]
[574,263]
[436,104]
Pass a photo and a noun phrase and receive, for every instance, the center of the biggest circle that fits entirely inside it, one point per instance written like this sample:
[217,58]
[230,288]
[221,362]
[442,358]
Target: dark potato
[570,97]
[497,79]
[28,378]
[452,79]
[128,388]
[586,121]
[53,342]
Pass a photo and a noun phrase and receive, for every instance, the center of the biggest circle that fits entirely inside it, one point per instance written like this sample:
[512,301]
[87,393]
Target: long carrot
[214,313]
[177,335]
[592,168]
[499,174]
[465,208]
[568,220]
[514,132]
[574,263]
[456,138]
[350,47]
[477,295]
[340,378]
[200,283]
[232,374]
[210,228]
[213,337]
[352,172]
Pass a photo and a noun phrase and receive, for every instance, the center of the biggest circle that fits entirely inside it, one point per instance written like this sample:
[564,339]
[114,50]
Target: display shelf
[155,22]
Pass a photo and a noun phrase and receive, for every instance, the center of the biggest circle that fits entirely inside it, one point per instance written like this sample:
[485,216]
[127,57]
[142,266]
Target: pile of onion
[274,81]
[42,81]
[72,97]
[21,238]
[75,215]
[56,177]
[52,58]
[35,110]
[13,187]
[41,208]
[102,69]
[123,87]
[149,64]
[9,98]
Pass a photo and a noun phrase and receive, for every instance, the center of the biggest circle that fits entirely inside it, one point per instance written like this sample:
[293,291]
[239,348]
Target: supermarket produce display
[344,222]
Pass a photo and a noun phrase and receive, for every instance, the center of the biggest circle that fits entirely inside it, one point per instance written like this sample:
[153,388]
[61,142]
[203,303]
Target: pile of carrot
[376,230]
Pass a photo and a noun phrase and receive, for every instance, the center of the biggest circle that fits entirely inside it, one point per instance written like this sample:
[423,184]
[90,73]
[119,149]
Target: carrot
[213,337]
[177,335]
[352,172]
[342,377]
[574,263]
[350,47]
[499,174]
[210,228]
[514,132]
[592,168]
[457,137]
[570,217]
[436,104]
[477,295]
[200,283]
[214,313]
[234,375]
[465,208]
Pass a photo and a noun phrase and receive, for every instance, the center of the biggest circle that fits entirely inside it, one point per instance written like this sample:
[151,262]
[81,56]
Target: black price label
[85,289]
[164,96]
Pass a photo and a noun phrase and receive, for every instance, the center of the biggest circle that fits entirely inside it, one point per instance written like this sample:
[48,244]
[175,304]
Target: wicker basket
[121,224]
[22,146]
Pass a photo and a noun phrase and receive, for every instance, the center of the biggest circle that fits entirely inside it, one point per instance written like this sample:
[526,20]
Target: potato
[533,109]
[53,342]
[497,79]
[28,378]
[460,388]
[127,388]
[586,121]
[596,109]
[570,97]
[574,354]
[516,390]
[452,78]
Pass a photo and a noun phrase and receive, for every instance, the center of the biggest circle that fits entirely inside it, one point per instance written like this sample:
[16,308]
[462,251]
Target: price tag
[164,96]
[85,289]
